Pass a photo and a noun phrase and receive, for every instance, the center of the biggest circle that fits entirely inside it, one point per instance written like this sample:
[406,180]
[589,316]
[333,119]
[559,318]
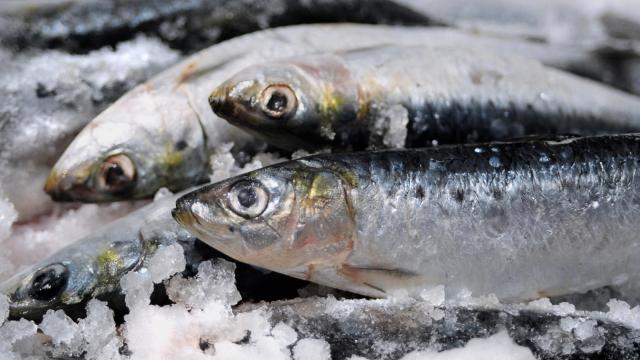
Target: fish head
[291,104]
[71,277]
[288,216]
[131,150]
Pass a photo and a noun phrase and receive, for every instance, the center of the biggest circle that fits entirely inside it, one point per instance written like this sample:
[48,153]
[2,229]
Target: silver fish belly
[520,220]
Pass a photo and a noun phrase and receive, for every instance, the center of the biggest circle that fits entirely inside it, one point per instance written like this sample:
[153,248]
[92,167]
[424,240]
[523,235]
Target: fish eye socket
[248,199]
[117,174]
[49,282]
[278,101]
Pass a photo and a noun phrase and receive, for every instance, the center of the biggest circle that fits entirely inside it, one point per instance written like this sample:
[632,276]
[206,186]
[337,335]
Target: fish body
[521,219]
[161,133]
[394,96]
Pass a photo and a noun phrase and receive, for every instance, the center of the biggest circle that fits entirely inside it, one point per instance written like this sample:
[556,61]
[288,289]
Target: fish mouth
[63,188]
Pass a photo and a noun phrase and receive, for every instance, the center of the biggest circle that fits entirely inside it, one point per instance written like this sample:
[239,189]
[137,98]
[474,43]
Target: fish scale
[519,219]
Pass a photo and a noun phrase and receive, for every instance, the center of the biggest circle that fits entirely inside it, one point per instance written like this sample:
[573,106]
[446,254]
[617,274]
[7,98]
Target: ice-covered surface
[204,321]
[223,165]
[496,347]
[41,109]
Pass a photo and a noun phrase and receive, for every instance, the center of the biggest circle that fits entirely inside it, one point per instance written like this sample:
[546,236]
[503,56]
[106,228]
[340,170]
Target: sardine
[92,266]
[412,96]
[42,110]
[161,133]
[518,219]
[188,25]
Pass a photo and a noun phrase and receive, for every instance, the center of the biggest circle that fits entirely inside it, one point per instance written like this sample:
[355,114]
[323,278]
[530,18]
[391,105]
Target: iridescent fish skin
[151,124]
[394,96]
[521,219]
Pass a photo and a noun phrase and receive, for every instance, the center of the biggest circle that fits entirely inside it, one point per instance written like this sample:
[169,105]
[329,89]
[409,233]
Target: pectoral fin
[381,280]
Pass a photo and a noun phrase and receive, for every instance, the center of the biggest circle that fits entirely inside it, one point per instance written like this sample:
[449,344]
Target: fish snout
[62,187]
[54,187]
[182,212]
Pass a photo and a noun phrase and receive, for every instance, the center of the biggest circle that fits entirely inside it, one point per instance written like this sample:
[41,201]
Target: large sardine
[521,219]
[412,96]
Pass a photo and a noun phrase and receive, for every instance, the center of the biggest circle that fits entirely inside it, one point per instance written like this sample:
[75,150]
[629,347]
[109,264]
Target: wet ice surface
[204,321]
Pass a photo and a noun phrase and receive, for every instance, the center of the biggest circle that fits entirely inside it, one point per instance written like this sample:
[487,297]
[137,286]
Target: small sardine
[161,133]
[413,96]
[520,219]
[93,266]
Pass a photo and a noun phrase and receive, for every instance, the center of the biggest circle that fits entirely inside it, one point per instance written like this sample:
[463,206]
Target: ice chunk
[162,193]
[390,125]
[622,312]
[434,296]
[167,261]
[545,305]
[496,347]
[215,281]
[284,333]
[59,327]
[137,287]
[99,332]
[13,331]
[223,164]
[312,349]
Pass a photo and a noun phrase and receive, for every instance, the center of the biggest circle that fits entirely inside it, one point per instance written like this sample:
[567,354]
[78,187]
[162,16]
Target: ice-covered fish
[93,266]
[188,25]
[521,220]
[161,133]
[43,109]
[412,96]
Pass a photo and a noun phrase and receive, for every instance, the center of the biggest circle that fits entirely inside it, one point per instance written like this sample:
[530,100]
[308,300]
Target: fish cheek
[326,221]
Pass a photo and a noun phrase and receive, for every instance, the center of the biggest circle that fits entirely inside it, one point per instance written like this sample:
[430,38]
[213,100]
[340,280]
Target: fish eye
[49,282]
[117,174]
[248,199]
[278,101]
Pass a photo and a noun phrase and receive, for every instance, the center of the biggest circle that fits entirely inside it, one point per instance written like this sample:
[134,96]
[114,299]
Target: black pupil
[247,197]
[277,102]
[48,284]
[115,176]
